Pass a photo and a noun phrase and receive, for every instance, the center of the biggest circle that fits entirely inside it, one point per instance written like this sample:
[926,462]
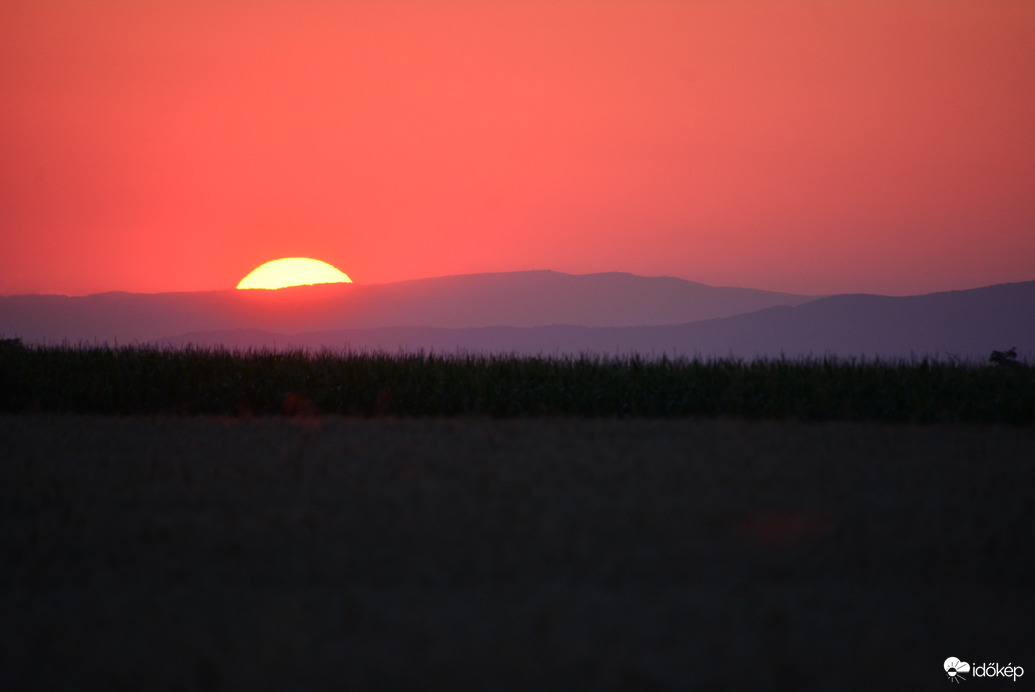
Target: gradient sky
[813,147]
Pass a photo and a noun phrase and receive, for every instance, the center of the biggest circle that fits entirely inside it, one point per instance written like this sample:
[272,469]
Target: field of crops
[210,520]
[140,380]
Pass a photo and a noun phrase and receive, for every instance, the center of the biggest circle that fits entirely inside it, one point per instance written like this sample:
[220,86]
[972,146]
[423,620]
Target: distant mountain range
[545,312]
[518,299]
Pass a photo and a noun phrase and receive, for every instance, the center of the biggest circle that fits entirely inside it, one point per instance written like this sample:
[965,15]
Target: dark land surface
[361,553]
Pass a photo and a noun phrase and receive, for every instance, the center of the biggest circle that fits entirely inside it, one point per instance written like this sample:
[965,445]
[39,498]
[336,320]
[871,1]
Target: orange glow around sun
[293,271]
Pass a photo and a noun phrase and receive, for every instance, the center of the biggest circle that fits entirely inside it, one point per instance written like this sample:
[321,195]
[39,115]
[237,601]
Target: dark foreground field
[336,553]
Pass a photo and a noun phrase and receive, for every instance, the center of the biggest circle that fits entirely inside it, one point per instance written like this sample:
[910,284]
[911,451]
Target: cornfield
[139,380]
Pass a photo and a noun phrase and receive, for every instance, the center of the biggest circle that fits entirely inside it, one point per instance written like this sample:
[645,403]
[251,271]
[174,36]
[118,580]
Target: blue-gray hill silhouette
[965,325]
[523,299]
[545,312]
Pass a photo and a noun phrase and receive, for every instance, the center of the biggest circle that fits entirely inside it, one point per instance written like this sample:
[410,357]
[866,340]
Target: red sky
[814,147]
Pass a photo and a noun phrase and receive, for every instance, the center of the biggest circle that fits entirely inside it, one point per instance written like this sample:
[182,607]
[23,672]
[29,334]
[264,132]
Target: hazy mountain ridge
[525,299]
[957,324]
[540,298]
[546,313]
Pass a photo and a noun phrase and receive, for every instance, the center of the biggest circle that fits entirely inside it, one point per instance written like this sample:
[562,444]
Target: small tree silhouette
[1005,359]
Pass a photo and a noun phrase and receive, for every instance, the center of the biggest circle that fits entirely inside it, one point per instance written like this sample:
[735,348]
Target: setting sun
[293,271]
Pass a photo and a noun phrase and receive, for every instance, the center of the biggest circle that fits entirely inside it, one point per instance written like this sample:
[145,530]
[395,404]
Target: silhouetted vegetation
[10,344]
[1005,359]
[142,380]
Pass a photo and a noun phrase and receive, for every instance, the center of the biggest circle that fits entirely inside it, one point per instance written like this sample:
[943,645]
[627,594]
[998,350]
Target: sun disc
[293,271]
